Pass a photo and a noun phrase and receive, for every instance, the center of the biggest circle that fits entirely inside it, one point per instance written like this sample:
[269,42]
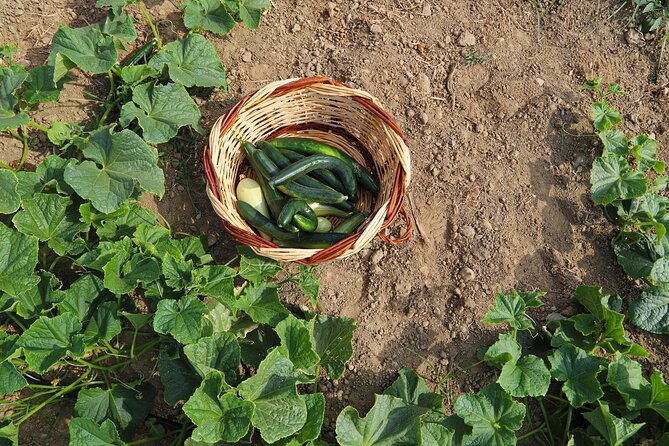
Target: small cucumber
[249,191]
[267,168]
[305,224]
[311,240]
[142,52]
[351,224]
[275,201]
[313,162]
[324,225]
[323,175]
[324,210]
[293,207]
[309,146]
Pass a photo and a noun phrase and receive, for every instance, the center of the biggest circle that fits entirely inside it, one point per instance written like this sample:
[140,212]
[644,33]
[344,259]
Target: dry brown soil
[500,186]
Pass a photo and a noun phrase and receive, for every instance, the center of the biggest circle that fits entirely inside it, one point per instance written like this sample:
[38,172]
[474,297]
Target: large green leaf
[651,310]
[160,110]
[51,172]
[645,152]
[104,324]
[10,200]
[32,302]
[412,389]
[208,15]
[216,281]
[86,432]
[40,86]
[579,372]
[218,416]
[54,219]
[614,430]
[82,297]
[9,433]
[11,79]
[249,11]
[509,309]
[604,116]
[11,379]
[192,62]
[220,351]
[636,254]
[47,340]
[179,379]
[296,343]
[659,400]
[86,48]
[493,416]
[182,319]
[612,179]
[177,271]
[127,405]
[527,376]
[18,258]
[311,430]
[505,349]
[118,24]
[256,268]
[119,160]
[625,375]
[279,410]
[261,303]
[435,434]
[614,141]
[389,422]
[333,342]
[125,270]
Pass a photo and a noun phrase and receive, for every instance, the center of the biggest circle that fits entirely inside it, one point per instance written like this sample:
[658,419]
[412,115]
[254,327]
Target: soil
[500,156]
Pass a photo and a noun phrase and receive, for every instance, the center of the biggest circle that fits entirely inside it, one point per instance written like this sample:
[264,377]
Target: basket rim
[394,206]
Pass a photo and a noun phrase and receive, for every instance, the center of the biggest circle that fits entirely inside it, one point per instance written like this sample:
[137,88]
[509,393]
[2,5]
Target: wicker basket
[326,110]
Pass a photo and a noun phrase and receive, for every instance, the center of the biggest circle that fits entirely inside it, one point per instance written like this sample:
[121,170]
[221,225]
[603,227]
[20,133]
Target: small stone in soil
[466,39]
[467,274]
[468,231]
[247,57]
[376,28]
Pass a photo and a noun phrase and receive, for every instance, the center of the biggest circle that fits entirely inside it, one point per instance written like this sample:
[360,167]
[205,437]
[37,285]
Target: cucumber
[294,207]
[323,175]
[308,146]
[283,238]
[275,201]
[305,224]
[313,162]
[142,52]
[323,210]
[351,224]
[267,168]
[324,225]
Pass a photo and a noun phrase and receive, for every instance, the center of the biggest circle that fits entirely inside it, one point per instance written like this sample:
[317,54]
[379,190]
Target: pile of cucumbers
[300,182]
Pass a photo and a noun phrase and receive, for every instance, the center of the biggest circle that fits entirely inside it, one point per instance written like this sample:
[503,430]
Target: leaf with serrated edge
[11,379]
[209,15]
[261,303]
[296,343]
[333,342]
[579,372]
[612,179]
[625,375]
[47,340]
[179,379]
[182,319]
[509,309]
[505,349]
[86,432]
[651,310]
[18,258]
[411,388]
[86,48]
[528,376]
[10,200]
[220,351]
[614,430]
[255,268]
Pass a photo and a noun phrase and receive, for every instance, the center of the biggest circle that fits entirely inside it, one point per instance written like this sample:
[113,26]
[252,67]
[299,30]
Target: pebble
[377,256]
[211,240]
[468,231]
[435,171]
[376,28]
[467,274]
[487,225]
[247,57]
[540,81]
[296,28]
[632,37]
[25,63]
[457,291]
[424,118]
[424,84]
[466,39]
[580,160]
[427,10]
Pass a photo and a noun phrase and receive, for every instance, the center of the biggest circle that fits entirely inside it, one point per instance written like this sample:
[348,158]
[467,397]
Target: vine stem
[54,397]
[5,166]
[566,430]
[314,389]
[150,439]
[145,13]
[104,116]
[37,126]
[24,153]
[532,432]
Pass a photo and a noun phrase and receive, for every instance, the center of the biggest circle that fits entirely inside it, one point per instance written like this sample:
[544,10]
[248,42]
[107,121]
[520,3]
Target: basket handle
[404,237]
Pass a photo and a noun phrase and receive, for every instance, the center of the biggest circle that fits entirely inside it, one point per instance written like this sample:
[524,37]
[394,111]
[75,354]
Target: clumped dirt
[500,155]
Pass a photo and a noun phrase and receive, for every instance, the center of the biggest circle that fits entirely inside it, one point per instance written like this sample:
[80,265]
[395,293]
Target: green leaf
[389,422]
[527,376]
[216,281]
[119,161]
[218,416]
[7,52]
[296,343]
[53,219]
[611,179]
[435,434]
[127,405]
[11,79]
[645,152]
[86,432]
[505,349]
[279,411]
[86,48]
[104,324]
[261,303]
[11,379]
[182,319]
[33,302]
[625,375]
[659,401]
[592,84]
[492,414]
[614,430]
[651,310]
[40,86]
[411,388]
[62,134]
[220,351]
[509,309]
[9,433]
[177,376]
[82,297]
[531,298]
[256,345]
[250,11]
[636,254]
[118,24]
[604,116]
[47,340]
[579,372]
[51,172]
[255,268]
[123,272]
[160,110]
[333,342]
[137,73]
[207,15]
[177,272]
[10,199]
[614,141]
[18,258]
[13,121]
[309,285]
[311,430]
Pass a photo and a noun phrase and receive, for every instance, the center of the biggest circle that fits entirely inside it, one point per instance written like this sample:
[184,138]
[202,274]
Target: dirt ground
[500,156]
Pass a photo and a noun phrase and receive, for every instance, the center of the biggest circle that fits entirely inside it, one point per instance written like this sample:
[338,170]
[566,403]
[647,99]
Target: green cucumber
[324,225]
[267,168]
[324,210]
[142,52]
[313,162]
[293,207]
[323,175]
[275,201]
[305,224]
[283,238]
[309,146]
[351,224]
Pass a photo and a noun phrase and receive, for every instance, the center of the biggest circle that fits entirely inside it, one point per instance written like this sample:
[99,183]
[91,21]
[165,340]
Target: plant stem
[150,439]
[24,153]
[145,13]
[548,425]
[37,126]
[110,104]
[16,321]
[568,424]
[314,389]
[53,397]
[532,432]
[5,166]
